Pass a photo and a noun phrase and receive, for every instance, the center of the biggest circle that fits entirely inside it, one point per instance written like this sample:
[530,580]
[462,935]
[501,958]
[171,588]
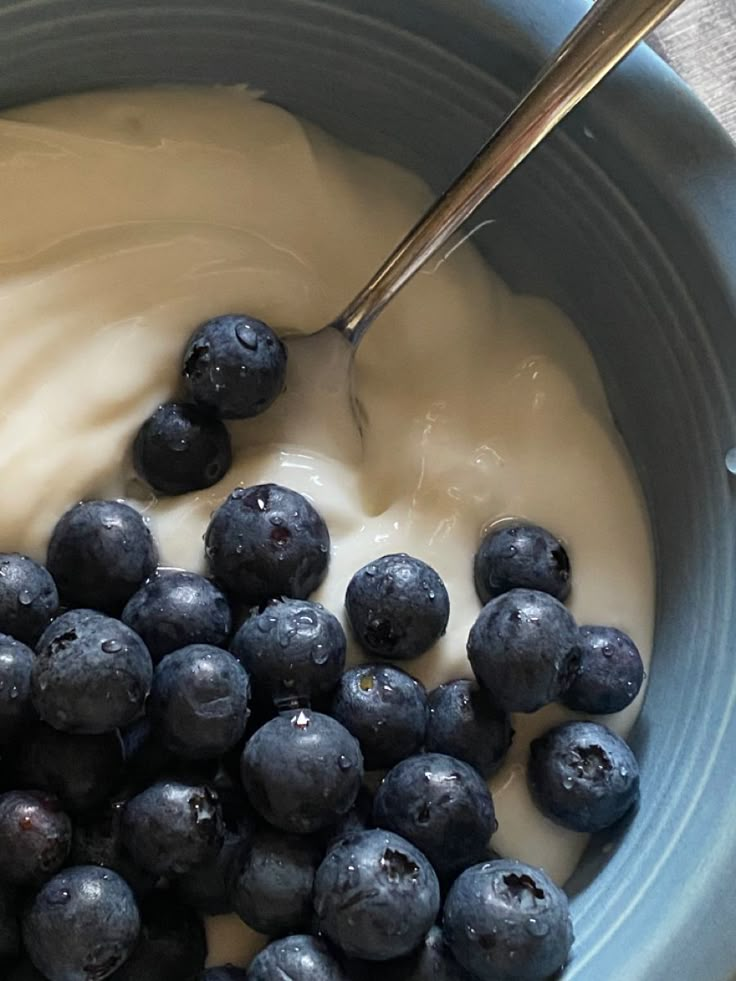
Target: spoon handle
[602,38]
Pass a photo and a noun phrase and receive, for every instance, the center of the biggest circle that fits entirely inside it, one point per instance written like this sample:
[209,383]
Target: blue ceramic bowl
[627,219]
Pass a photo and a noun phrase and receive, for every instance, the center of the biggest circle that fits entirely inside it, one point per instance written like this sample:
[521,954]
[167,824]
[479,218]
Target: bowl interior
[623,220]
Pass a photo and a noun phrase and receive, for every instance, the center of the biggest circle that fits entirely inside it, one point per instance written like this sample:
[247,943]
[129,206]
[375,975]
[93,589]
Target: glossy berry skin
[99,554]
[171,945]
[91,673]
[299,958]
[398,607]
[293,649]
[174,609]
[583,776]
[16,708]
[81,771]
[302,771]
[464,722]
[523,649]
[506,921]
[35,837]
[235,366]
[385,709]
[273,882]
[442,806]
[172,827]
[82,925]
[610,673]
[376,896]
[180,448]
[521,557]
[431,961]
[265,542]
[199,701]
[28,597]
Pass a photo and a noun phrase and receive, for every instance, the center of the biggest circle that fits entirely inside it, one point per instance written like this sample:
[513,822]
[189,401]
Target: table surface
[699,41]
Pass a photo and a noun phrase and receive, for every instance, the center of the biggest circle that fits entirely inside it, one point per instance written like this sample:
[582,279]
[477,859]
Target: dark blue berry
[293,649]
[35,837]
[385,709]
[267,541]
[9,929]
[91,673]
[610,673]
[274,880]
[199,701]
[521,557]
[172,827]
[442,806]
[180,448]
[28,597]
[81,770]
[463,722]
[583,776]
[523,649]
[302,771]
[99,554]
[376,896]
[97,840]
[235,366]
[174,609]
[398,607]
[358,818]
[16,666]
[432,961]
[82,925]
[505,920]
[225,973]
[171,945]
[298,958]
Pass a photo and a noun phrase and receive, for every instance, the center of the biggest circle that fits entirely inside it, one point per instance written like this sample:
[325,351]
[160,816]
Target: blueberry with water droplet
[298,957]
[28,597]
[464,722]
[583,776]
[610,672]
[399,608]
[235,366]
[35,837]
[521,557]
[180,448]
[293,649]
[505,920]
[16,709]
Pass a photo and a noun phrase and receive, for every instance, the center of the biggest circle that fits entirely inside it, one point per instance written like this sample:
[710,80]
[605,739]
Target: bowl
[625,219]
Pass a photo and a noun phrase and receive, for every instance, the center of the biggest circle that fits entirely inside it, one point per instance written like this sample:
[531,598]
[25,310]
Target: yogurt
[129,217]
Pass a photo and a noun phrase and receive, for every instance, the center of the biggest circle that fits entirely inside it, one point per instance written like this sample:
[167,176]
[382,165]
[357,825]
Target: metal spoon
[600,41]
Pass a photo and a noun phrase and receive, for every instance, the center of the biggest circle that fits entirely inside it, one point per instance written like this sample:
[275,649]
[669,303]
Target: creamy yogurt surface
[130,217]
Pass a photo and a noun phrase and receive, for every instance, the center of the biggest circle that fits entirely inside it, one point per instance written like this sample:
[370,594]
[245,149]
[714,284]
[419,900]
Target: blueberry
[180,448]
[398,607]
[171,945]
[9,929]
[506,920]
[82,925]
[298,958]
[274,880]
[28,597]
[610,674]
[376,895]
[235,366]
[199,701]
[97,840]
[523,649]
[294,650]
[442,806]
[35,837]
[432,961]
[385,709]
[358,818]
[267,541]
[99,554]
[81,770]
[225,973]
[521,557]
[583,776]
[463,722]
[172,827]
[16,709]
[174,609]
[91,673]
[302,771]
